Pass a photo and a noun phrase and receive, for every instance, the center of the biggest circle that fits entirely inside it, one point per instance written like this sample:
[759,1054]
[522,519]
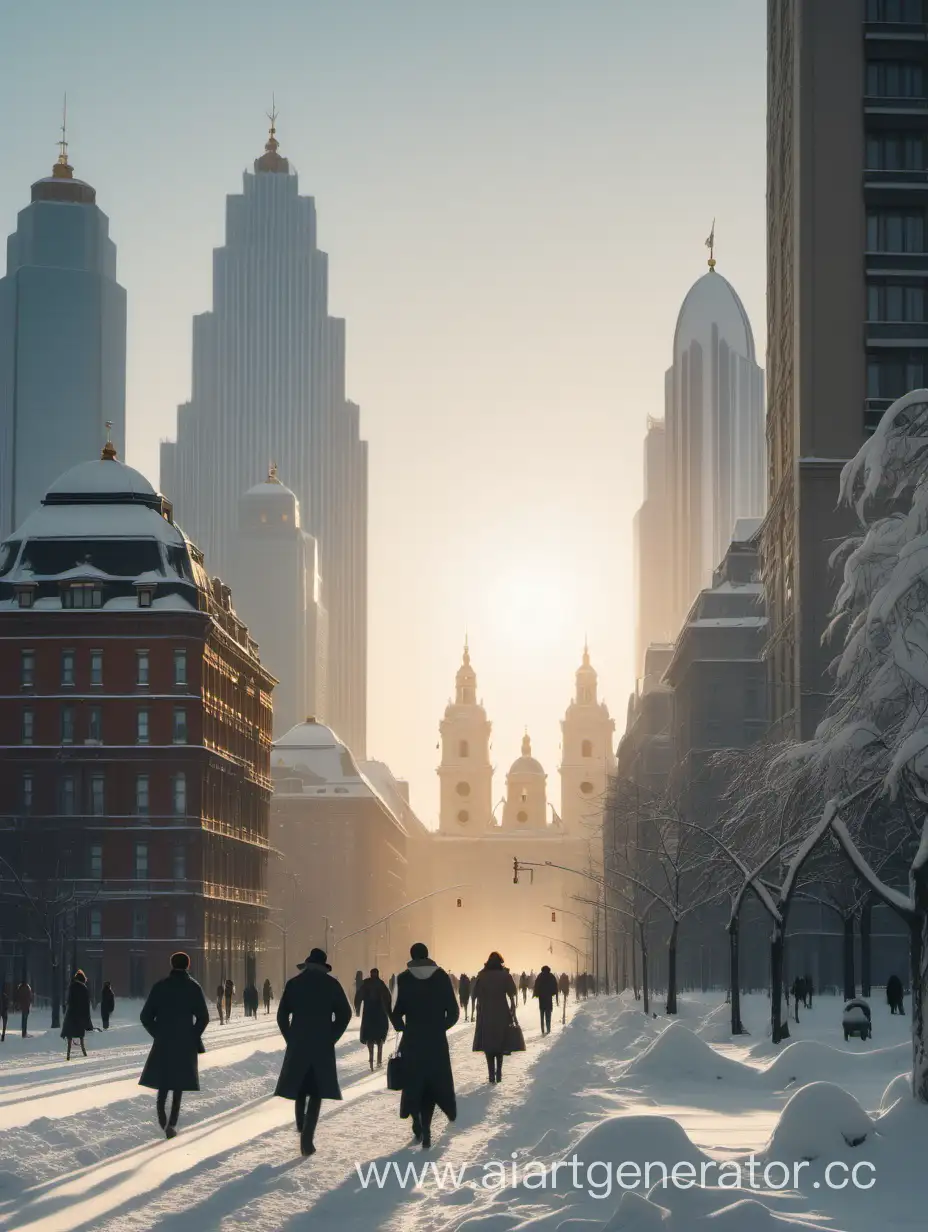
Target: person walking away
[392,984]
[312,1015]
[894,995]
[563,986]
[107,1004]
[77,1014]
[4,1011]
[546,990]
[252,1005]
[799,994]
[523,985]
[495,996]
[425,1011]
[464,993]
[24,1002]
[220,1000]
[229,992]
[808,983]
[267,993]
[373,1002]
[358,981]
[175,1015]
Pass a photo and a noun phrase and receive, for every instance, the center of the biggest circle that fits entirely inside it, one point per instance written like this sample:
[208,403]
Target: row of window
[894,374]
[68,794]
[94,729]
[586,748]
[79,595]
[911,12]
[140,865]
[896,231]
[895,79]
[896,301]
[68,668]
[139,923]
[895,152]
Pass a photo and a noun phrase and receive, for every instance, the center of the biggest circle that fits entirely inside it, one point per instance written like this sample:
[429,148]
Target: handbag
[515,1040]
[395,1073]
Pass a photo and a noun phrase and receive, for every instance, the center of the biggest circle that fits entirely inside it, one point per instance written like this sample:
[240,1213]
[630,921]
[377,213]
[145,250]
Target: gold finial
[272,142]
[586,651]
[710,244]
[272,473]
[108,453]
[62,169]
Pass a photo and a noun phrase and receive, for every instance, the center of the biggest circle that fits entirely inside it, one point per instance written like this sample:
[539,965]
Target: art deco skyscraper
[269,385]
[62,342]
[652,563]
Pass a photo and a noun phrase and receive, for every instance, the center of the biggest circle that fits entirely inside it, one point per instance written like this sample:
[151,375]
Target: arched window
[586,788]
[586,748]
[463,749]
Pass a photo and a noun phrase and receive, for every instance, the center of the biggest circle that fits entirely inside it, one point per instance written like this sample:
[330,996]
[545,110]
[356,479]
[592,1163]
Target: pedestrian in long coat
[229,991]
[175,1016]
[495,996]
[563,984]
[373,1001]
[77,1015]
[523,986]
[425,1011]
[312,1015]
[220,1001]
[267,993]
[24,1002]
[250,1001]
[464,993]
[107,1004]
[546,990]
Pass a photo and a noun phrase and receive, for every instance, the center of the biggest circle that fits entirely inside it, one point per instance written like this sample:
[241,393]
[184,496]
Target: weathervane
[710,244]
[273,114]
[63,143]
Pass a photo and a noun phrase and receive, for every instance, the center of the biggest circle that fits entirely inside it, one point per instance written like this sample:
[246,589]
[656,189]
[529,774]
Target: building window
[24,595]
[145,596]
[586,696]
[522,815]
[141,663]
[67,795]
[67,669]
[180,862]
[895,79]
[896,302]
[463,749]
[180,924]
[67,724]
[95,725]
[463,816]
[180,667]
[140,923]
[95,863]
[180,795]
[82,594]
[96,667]
[180,725]
[141,727]
[586,748]
[895,152]
[463,789]
[893,231]
[910,12]
[97,800]
[27,669]
[96,923]
[141,795]
[28,726]
[889,376]
[27,792]
[141,861]
[586,788]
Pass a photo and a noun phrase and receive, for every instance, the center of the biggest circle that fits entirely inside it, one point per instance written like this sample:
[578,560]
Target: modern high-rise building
[275,557]
[269,383]
[62,342]
[847,293]
[652,562]
[714,417]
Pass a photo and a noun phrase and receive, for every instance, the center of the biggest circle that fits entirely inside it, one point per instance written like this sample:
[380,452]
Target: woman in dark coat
[464,993]
[267,992]
[495,996]
[175,1016]
[107,1004]
[312,1015]
[77,1015]
[425,1010]
[373,1001]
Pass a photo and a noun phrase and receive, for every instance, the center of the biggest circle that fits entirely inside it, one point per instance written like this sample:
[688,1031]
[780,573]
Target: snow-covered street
[81,1149]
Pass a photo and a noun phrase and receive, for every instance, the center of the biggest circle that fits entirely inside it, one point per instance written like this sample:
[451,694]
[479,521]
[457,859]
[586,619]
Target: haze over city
[514,201]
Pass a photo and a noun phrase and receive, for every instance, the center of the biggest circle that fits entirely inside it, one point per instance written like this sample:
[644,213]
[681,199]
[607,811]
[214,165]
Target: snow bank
[820,1121]
[638,1139]
[749,1215]
[811,1061]
[636,1214]
[679,1053]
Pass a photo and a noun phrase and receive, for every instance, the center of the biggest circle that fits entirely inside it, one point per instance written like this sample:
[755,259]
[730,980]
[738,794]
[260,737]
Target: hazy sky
[514,196]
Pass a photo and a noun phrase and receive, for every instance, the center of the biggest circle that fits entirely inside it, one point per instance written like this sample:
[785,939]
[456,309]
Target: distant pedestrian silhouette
[894,995]
[77,1015]
[563,985]
[107,1004]
[464,993]
[546,990]
[495,996]
[373,1002]
[266,994]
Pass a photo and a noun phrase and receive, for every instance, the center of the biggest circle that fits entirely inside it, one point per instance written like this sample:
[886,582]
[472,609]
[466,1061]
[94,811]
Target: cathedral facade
[539,916]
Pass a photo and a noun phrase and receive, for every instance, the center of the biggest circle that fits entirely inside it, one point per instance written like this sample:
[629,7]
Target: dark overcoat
[373,1002]
[464,989]
[175,1016]
[107,1001]
[492,992]
[425,1010]
[546,989]
[77,1015]
[312,1015]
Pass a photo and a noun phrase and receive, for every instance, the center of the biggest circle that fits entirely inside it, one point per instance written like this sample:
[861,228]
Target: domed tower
[587,757]
[465,773]
[526,806]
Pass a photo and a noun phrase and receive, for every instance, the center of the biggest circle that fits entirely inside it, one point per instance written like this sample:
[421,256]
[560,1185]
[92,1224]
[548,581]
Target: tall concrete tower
[62,342]
[465,773]
[587,757]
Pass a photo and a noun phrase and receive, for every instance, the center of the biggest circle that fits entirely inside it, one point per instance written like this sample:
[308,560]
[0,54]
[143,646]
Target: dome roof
[713,300]
[269,490]
[527,764]
[106,477]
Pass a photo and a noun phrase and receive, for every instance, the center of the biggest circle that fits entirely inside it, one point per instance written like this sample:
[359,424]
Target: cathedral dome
[712,300]
[105,479]
[269,502]
[527,764]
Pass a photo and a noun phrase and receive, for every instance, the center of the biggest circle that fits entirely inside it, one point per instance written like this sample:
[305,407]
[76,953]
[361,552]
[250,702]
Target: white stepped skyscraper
[269,386]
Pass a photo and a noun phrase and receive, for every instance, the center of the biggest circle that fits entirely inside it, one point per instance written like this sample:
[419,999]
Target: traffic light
[553,917]
[515,870]
[459,903]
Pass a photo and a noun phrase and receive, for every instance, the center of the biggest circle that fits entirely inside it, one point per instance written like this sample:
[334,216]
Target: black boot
[416,1127]
[310,1121]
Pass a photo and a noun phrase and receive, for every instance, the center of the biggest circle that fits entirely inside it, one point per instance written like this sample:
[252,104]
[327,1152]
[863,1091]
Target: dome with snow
[269,504]
[101,481]
[310,759]
[713,301]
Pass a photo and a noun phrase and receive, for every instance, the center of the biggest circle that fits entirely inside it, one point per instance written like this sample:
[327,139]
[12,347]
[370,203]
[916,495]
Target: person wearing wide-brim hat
[312,1015]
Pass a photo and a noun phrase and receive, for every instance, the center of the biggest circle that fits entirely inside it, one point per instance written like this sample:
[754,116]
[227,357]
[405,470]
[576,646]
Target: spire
[586,651]
[108,452]
[586,678]
[271,160]
[62,169]
[526,744]
[272,473]
[710,244]
[466,680]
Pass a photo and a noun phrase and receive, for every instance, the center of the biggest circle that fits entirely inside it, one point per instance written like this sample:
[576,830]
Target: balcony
[907,180]
[895,105]
[235,894]
[897,333]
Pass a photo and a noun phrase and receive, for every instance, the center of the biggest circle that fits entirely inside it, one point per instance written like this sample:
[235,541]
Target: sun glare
[531,608]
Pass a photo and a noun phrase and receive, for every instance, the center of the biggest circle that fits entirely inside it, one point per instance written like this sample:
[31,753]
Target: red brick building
[135,737]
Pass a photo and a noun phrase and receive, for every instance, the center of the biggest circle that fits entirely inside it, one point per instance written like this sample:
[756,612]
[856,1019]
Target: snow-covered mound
[636,1214]
[812,1061]
[638,1139]
[678,1053]
[749,1215]
[820,1121]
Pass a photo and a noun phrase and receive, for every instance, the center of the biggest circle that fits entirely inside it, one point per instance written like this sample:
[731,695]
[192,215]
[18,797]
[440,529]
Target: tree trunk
[850,976]
[918,956]
[635,970]
[671,1006]
[646,1006]
[56,992]
[779,1029]
[866,924]
[734,976]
